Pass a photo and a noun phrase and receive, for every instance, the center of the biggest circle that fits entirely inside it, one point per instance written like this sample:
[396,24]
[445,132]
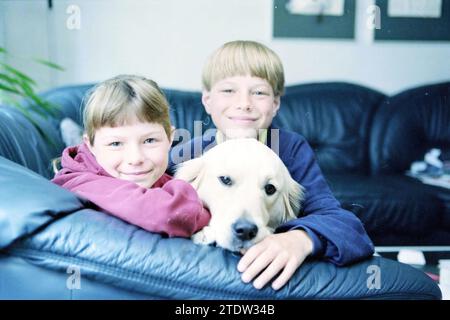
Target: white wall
[169,40]
[2,33]
[2,29]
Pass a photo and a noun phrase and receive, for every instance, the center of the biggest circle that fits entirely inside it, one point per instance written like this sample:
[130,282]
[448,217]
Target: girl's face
[137,152]
[241,105]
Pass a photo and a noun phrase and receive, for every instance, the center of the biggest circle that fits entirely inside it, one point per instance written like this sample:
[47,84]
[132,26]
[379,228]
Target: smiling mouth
[139,173]
[242,119]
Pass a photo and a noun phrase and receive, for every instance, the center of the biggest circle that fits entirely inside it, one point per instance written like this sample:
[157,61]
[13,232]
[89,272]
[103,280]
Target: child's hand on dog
[283,252]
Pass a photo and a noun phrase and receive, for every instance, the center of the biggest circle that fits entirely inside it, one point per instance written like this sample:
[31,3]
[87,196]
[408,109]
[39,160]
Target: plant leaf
[9,80]
[50,64]
[39,105]
[9,89]
[13,81]
[18,73]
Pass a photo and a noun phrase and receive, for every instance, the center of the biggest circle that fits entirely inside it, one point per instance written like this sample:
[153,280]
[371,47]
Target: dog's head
[247,189]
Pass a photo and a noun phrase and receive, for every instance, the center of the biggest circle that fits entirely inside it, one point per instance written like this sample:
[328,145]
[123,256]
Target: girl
[121,164]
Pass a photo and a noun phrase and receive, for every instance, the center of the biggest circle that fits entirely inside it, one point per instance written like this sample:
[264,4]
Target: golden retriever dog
[247,189]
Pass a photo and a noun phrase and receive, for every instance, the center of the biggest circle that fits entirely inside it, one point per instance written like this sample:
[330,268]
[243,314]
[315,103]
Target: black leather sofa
[364,142]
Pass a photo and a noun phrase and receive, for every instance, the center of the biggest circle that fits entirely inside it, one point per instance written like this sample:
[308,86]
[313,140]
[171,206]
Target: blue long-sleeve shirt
[338,235]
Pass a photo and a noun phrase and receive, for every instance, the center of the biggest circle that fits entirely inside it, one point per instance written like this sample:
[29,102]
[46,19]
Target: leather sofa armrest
[53,229]
[109,251]
[28,201]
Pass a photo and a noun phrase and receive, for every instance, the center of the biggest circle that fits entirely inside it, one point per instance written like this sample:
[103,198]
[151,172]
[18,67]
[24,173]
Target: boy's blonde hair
[123,100]
[244,58]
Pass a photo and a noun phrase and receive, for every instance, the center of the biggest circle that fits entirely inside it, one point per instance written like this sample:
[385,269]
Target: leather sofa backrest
[22,143]
[187,112]
[335,119]
[70,100]
[35,149]
[351,128]
[407,125]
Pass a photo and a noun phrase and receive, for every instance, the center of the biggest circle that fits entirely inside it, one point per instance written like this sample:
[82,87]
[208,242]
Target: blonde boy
[242,85]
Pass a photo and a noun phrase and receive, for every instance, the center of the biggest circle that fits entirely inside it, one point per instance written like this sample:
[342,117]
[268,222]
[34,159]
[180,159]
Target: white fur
[251,166]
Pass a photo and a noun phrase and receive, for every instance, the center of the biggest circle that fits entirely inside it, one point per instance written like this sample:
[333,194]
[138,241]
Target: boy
[242,85]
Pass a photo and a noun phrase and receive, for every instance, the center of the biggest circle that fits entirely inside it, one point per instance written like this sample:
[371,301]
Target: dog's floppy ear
[294,194]
[190,171]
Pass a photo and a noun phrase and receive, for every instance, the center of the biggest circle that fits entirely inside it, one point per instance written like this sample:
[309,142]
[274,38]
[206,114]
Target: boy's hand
[281,251]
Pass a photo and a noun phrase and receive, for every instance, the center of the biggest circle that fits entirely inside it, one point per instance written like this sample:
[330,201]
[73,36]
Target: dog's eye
[226,180]
[270,189]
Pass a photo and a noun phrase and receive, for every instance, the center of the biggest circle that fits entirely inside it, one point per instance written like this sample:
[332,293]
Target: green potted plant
[15,86]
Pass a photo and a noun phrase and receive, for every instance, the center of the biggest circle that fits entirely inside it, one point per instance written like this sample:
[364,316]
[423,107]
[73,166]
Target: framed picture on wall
[419,20]
[314,19]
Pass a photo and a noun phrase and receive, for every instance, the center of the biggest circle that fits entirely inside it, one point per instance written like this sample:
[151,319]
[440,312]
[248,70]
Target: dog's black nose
[244,229]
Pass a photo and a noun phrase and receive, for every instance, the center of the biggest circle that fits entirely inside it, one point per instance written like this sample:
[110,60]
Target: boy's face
[241,105]
[136,152]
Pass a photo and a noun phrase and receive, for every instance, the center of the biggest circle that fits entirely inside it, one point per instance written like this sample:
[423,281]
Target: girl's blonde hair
[123,100]
[244,58]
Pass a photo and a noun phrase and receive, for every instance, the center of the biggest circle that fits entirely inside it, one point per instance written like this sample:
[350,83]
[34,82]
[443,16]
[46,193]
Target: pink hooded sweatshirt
[171,206]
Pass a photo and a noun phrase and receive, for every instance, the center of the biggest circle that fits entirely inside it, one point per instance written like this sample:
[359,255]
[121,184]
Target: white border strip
[419,248]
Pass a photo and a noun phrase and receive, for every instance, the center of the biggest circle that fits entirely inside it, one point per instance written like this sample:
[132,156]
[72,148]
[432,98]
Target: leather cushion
[334,118]
[28,201]
[408,125]
[390,204]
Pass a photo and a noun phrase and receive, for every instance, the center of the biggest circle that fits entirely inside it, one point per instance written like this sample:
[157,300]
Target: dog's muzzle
[244,230]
